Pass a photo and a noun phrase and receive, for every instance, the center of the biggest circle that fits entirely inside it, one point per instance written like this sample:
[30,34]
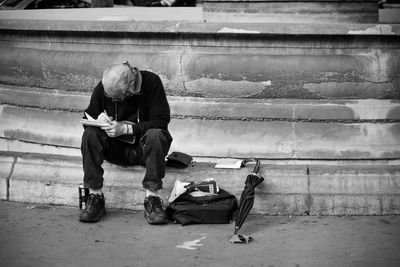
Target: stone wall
[271,91]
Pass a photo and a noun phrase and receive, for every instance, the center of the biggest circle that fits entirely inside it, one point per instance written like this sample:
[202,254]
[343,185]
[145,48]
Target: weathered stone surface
[208,59]
[318,140]
[74,70]
[6,169]
[355,204]
[350,89]
[291,11]
[221,108]
[223,138]
[231,138]
[297,76]
[280,204]
[389,15]
[14,22]
[9,145]
[345,189]
[54,182]
[368,109]
[41,126]
[355,180]
[43,193]
[3,188]
[43,98]
[109,14]
[6,162]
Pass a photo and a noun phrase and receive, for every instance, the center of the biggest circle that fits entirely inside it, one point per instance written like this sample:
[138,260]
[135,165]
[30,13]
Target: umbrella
[246,202]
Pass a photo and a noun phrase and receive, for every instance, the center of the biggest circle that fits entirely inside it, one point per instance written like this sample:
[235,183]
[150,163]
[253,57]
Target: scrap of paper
[191,244]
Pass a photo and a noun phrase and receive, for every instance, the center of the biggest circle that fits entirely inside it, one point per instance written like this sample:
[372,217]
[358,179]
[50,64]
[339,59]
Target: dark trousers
[150,152]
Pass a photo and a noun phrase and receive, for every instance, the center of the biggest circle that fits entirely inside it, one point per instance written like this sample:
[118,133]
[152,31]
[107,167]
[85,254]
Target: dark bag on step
[217,209]
[179,160]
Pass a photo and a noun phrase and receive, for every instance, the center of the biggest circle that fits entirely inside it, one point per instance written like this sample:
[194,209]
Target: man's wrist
[128,129]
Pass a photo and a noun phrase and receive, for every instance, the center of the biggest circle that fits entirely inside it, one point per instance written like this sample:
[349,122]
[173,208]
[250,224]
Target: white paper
[229,164]
[179,189]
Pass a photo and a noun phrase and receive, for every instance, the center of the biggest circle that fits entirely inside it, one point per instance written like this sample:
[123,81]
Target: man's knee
[90,134]
[156,138]
[157,135]
[154,133]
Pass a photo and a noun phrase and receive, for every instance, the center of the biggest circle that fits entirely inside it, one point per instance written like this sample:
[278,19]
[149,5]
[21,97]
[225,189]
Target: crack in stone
[9,177]
[181,71]
[308,200]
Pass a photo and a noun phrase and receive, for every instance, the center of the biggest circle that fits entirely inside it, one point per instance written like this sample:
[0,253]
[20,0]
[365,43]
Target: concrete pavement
[40,235]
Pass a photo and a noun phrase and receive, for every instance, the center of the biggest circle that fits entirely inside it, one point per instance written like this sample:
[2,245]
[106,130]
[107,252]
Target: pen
[108,118]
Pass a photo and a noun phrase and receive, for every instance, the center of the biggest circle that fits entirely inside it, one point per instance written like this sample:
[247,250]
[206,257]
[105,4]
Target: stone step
[389,15]
[314,11]
[223,108]
[109,14]
[223,138]
[218,127]
[344,189]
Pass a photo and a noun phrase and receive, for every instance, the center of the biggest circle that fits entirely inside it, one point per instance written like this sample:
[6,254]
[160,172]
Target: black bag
[178,160]
[217,209]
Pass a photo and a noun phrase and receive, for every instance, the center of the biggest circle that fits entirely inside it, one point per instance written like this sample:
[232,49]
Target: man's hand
[103,117]
[115,129]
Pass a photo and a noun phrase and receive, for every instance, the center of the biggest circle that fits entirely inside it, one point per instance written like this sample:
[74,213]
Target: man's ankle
[96,191]
[161,193]
[152,193]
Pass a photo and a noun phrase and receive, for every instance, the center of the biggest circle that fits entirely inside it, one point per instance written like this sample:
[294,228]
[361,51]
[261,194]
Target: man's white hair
[118,79]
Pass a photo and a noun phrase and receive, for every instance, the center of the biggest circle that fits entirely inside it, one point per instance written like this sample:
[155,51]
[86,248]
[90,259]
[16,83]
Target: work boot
[154,210]
[94,210]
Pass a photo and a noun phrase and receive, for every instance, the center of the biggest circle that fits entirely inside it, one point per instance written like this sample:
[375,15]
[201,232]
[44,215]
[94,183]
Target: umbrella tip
[236,230]
[240,239]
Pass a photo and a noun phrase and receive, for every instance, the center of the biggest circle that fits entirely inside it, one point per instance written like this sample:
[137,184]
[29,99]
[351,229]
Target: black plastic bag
[214,209]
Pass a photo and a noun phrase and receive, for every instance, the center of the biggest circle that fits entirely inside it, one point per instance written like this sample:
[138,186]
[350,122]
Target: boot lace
[156,203]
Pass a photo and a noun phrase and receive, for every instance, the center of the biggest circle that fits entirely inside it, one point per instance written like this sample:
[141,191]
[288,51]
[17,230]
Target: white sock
[152,193]
[98,191]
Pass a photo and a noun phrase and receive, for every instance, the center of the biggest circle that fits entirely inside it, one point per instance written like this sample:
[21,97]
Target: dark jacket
[151,105]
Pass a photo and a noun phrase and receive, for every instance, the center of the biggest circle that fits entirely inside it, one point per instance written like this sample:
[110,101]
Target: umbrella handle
[257,161]
[257,167]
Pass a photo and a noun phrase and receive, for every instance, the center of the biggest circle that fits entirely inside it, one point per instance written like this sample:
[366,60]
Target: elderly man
[134,106]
